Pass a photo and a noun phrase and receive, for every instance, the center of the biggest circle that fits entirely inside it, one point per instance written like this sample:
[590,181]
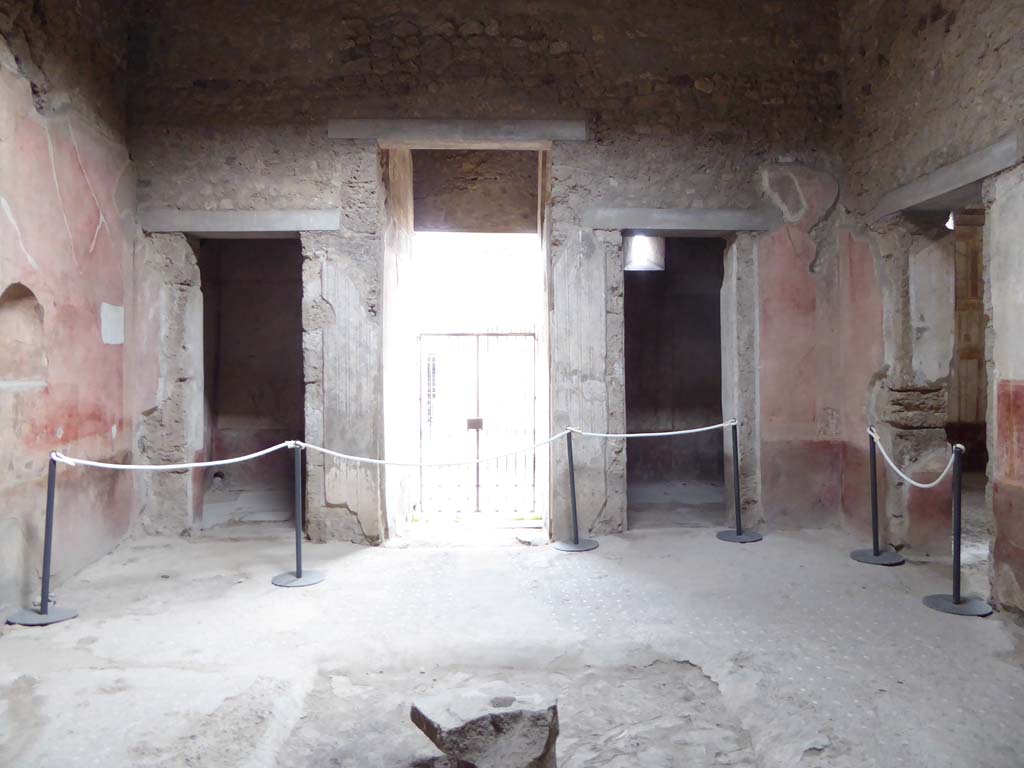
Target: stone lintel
[953,186]
[671,222]
[240,224]
[459,134]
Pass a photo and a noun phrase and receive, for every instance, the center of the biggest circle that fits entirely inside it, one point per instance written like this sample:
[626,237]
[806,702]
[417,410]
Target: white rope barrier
[628,435]
[73,462]
[904,476]
[56,456]
[467,462]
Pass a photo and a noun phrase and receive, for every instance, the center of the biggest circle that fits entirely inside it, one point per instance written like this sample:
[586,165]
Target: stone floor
[978,530]
[666,648]
[691,504]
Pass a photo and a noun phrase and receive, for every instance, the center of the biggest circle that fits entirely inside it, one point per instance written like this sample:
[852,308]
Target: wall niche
[22,351]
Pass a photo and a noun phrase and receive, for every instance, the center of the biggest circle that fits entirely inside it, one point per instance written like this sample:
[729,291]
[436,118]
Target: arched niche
[22,351]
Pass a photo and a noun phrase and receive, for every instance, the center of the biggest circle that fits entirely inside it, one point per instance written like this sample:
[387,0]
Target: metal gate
[477,399]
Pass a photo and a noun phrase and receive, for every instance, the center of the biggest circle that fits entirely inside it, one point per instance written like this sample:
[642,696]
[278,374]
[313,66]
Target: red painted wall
[799,357]
[1008,488]
[66,228]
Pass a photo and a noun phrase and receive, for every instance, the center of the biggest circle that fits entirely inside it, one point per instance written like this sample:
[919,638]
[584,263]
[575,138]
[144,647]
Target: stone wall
[925,83]
[167,373]
[475,191]
[66,231]
[727,70]
[684,106]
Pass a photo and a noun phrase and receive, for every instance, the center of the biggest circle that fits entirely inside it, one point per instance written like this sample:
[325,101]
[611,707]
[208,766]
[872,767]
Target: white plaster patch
[21,243]
[112,323]
[932,308]
[770,175]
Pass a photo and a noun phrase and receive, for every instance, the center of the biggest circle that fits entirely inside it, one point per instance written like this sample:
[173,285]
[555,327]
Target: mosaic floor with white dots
[664,648]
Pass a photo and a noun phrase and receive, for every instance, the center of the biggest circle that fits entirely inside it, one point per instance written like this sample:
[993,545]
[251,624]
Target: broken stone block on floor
[488,730]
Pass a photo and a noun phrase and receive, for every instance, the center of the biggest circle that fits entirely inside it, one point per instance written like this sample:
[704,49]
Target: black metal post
[577,544]
[956,603]
[298,578]
[736,479]
[957,528]
[51,492]
[737,536]
[298,512]
[572,490]
[45,615]
[872,450]
[875,555]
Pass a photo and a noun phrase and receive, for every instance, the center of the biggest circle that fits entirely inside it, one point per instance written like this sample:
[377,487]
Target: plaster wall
[740,375]
[798,352]
[66,230]
[1004,302]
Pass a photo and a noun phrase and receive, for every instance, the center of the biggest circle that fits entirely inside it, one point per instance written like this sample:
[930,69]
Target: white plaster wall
[932,309]
[1004,247]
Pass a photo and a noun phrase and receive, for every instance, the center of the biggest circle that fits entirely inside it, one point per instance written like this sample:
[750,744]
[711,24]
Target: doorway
[674,381]
[968,394]
[253,376]
[466,358]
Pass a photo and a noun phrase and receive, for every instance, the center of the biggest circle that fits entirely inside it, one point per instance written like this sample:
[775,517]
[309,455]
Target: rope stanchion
[875,555]
[298,577]
[956,603]
[576,544]
[46,614]
[738,536]
[171,467]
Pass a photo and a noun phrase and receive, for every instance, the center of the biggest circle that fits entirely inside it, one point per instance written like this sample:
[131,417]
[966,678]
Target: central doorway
[466,348]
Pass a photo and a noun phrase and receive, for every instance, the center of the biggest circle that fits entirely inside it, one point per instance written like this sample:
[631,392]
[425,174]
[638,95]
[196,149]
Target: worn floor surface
[691,504]
[666,648]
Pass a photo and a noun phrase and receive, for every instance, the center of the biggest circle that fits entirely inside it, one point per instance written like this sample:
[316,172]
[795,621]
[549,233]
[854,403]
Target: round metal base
[968,606]
[585,545]
[747,537]
[288,579]
[33,618]
[886,557]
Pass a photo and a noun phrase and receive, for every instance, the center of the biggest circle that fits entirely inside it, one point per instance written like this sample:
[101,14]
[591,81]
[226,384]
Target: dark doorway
[253,378]
[674,381]
[967,407]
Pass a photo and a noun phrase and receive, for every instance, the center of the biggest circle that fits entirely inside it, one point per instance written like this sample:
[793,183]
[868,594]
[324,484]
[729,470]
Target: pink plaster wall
[862,352]
[66,227]
[1008,488]
[798,359]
